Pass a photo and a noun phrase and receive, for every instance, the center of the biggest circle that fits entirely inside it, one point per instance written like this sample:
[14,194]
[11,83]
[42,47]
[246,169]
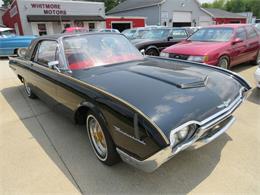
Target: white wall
[77,8]
[192,6]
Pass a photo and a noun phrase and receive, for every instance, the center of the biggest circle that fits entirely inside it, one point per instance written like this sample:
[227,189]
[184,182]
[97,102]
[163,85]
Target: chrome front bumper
[155,161]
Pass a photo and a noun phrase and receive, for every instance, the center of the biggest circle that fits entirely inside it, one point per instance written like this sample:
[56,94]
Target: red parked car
[221,45]
[75,30]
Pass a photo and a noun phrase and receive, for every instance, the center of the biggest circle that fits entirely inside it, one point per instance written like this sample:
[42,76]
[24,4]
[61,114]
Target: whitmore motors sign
[49,8]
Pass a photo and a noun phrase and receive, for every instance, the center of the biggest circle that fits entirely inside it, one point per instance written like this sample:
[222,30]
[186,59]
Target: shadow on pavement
[68,147]
[3,58]
[241,67]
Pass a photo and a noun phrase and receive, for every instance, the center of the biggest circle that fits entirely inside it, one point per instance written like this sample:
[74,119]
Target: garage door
[182,17]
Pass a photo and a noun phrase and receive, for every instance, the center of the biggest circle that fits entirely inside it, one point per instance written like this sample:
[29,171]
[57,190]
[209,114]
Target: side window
[251,32]
[47,51]
[241,34]
[179,34]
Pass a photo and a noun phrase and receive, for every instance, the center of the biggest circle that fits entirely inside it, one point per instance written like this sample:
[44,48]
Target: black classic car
[143,110]
[154,41]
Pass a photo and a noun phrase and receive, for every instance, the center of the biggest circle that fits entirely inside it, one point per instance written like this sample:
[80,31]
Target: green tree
[110,4]
[220,4]
[206,5]
[6,2]
[236,6]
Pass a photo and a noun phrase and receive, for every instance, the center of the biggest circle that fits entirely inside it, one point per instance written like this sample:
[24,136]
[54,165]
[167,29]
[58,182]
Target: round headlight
[182,134]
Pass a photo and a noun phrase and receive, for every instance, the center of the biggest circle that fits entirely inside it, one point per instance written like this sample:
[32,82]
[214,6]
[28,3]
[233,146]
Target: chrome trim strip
[200,133]
[155,161]
[200,143]
[104,92]
[131,137]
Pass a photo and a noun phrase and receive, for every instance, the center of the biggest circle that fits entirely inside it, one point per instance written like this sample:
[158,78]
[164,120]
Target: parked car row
[220,45]
[85,30]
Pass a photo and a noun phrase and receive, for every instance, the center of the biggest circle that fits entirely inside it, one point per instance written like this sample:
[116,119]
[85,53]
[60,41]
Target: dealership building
[51,17]
[175,13]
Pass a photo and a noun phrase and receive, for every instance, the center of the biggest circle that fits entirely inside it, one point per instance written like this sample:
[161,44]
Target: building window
[42,29]
[91,26]
[79,23]
[67,25]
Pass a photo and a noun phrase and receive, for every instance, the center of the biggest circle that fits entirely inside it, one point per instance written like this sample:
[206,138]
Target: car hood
[195,47]
[169,92]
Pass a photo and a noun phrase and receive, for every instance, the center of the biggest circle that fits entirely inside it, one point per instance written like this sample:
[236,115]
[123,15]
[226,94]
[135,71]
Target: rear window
[251,32]
[241,34]
[179,34]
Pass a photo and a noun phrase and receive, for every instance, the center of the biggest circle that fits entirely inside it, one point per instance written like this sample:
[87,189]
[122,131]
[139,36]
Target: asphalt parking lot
[43,152]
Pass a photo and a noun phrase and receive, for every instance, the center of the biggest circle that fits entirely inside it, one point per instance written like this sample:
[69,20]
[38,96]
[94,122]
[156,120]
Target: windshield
[129,33]
[156,34]
[88,51]
[140,33]
[7,33]
[212,35]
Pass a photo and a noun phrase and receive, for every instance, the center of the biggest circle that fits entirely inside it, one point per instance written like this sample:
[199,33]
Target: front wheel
[152,52]
[101,140]
[223,62]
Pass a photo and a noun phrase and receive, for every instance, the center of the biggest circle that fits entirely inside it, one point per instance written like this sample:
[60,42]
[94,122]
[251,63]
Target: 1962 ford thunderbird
[143,110]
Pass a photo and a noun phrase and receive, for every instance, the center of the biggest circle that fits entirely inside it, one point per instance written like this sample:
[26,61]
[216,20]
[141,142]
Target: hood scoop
[181,78]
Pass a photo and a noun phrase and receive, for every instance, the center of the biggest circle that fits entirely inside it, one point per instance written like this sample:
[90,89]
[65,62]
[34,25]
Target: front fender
[83,108]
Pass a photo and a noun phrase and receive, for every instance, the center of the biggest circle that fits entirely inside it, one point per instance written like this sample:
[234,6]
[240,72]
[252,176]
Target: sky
[201,1]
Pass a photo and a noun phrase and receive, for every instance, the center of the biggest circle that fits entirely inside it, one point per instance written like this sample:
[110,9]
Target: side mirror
[170,38]
[54,65]
[237,40]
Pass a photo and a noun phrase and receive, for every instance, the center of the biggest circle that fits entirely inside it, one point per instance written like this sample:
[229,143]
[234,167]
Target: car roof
[4,29]
[227,26]
[58,36]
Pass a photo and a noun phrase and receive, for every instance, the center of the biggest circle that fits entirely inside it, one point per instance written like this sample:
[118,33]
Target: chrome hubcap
[224,63]
[97,137]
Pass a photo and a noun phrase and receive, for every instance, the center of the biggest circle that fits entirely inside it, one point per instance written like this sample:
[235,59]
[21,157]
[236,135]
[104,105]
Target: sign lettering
[49,8]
